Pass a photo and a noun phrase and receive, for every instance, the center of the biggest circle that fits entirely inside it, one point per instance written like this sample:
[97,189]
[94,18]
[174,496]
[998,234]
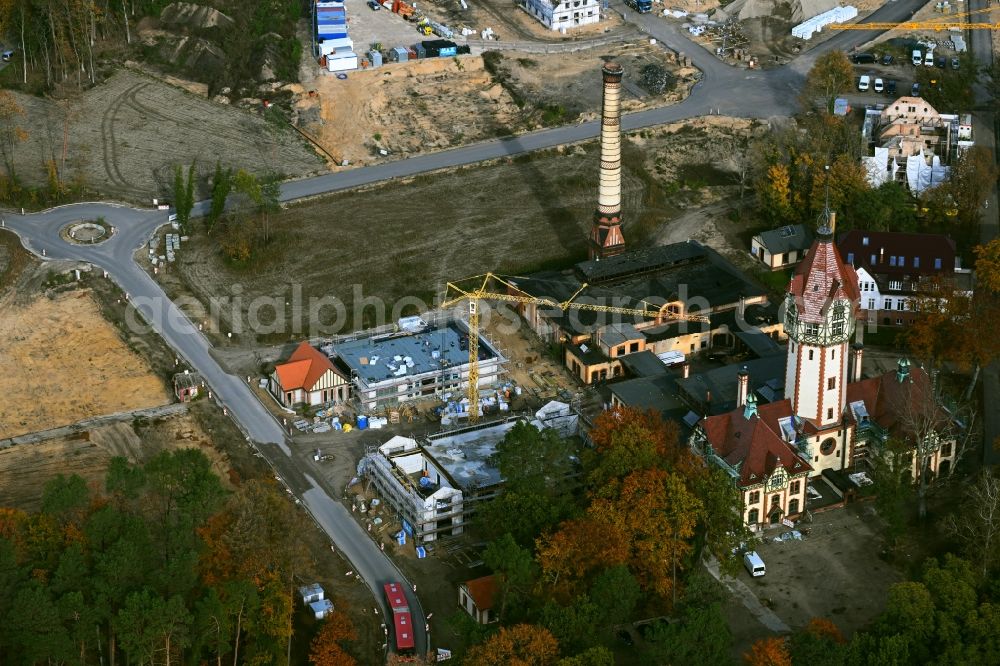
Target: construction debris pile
[491,402]
[173,244]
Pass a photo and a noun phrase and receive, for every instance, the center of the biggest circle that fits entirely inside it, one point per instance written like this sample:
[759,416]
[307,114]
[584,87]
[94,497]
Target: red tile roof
[304,368]
[892,404]
[754,444]
[483,591]
[821,277]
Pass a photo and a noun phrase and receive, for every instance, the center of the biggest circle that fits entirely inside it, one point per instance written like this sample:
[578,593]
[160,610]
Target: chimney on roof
[606,239]
[685,370]
[742,386]
[857,352]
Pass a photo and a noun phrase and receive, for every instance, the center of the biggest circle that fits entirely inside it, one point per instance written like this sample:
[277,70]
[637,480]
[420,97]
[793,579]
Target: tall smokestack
[606,238]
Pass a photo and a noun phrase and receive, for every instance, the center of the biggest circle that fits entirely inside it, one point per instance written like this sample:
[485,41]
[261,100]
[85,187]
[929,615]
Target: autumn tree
[520,645]
[819,643]
[327,648]
[698,632]
[830,76]
[976,524]
[768,652]
[775,194]
[11,133]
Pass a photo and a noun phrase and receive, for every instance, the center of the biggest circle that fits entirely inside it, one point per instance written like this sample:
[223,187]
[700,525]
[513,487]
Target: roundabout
[87,232]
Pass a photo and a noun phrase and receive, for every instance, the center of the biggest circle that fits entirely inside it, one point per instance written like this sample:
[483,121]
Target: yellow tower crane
[943,23]
[485,287]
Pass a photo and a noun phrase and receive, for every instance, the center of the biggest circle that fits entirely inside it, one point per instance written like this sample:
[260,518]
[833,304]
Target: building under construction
[416,361]
[433,485]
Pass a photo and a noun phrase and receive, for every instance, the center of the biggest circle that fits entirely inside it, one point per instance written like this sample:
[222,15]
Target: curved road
[722,89]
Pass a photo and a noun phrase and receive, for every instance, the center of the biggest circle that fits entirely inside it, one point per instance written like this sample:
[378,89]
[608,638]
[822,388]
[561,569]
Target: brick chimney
[857,353]
[742,386]
[606,239]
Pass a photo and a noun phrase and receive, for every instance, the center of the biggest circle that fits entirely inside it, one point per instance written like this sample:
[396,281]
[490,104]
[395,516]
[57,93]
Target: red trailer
[402,622]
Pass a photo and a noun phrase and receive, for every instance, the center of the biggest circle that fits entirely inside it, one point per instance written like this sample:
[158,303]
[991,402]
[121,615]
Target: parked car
[374,6]
[955,63]
[915,90]
[917,57]
[863,59]
[864,82]
[929,59]
[879,86]
[890,87]
[942,62]
[887,59]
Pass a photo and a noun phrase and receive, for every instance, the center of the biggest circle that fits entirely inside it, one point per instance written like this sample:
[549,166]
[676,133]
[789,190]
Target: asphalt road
[40,234]
[722,89]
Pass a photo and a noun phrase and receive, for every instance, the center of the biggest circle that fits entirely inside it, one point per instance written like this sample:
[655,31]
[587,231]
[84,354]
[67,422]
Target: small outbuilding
[187,386]
[321,608]
[782,247]
[476,597]
[311,593]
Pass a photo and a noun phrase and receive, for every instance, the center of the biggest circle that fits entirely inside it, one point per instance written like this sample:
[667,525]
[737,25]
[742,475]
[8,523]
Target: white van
[754,564]
[917,58]
[929,58]
[864,82]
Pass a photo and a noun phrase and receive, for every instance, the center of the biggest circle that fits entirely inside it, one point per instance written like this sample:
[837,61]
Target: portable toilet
[376,58]
[362,421]
[421,51]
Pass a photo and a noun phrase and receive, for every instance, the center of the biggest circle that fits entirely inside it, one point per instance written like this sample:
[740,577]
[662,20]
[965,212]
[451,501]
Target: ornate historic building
[831,418]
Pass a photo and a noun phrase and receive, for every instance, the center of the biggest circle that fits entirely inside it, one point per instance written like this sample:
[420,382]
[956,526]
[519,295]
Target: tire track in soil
[110,142]
[261,142]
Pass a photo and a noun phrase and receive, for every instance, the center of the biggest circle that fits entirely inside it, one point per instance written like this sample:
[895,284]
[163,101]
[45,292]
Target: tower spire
[827,223]
[606,237]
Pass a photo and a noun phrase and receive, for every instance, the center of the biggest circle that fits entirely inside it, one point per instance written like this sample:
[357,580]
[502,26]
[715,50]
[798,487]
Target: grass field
[408,238]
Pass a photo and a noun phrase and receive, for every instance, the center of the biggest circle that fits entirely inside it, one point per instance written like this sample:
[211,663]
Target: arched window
[828,445]
[752,518]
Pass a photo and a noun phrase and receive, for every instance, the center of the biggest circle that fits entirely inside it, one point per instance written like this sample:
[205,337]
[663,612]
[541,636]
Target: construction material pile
[807,28]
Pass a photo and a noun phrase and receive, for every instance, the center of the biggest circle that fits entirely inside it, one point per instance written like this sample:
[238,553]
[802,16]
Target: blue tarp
[421,552]
[408,528]
[401,538]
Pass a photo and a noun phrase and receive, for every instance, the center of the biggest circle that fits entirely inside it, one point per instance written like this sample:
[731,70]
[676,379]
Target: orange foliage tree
[768,652]
[327,648]
[520,645]
[577,548]
[824,628]
[654,515]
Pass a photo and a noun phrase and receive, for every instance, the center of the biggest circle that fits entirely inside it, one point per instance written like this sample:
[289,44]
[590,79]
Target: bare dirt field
[124,136]
[421,106]
[62,362]
[834,573]
[507,216]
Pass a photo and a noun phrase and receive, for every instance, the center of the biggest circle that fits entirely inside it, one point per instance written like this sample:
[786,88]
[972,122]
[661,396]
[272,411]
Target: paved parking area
[835,572]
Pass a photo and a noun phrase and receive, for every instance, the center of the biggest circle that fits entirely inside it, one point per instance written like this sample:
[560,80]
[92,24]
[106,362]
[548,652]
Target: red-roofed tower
[820,312]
